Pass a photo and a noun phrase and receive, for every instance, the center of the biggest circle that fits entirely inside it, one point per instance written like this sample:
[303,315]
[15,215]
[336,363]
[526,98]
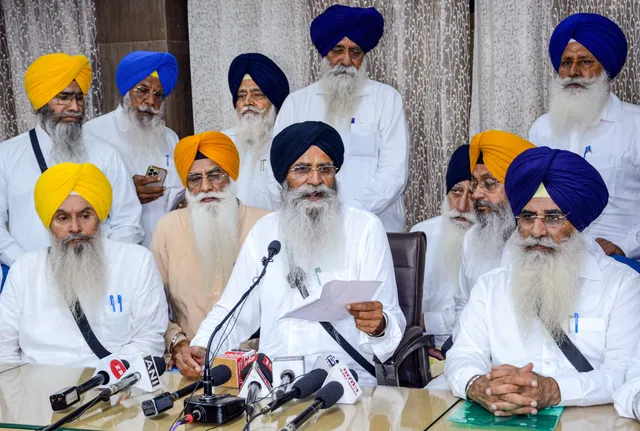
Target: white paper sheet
[336,294]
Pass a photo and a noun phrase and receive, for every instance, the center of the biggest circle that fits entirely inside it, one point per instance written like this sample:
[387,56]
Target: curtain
[29,29]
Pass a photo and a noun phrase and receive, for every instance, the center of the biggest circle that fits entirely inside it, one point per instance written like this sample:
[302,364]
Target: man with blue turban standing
[558,323]
[585,117]
[368,115]
[137,130]
[258,89]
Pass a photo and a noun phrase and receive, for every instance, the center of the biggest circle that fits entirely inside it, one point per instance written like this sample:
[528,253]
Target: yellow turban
[498,150]
[57,183]
[217,146]
[50,74]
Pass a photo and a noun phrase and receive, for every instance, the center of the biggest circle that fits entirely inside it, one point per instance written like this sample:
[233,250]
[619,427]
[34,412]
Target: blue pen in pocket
[120,302]
[575,321]
[167,156]
[113,304]
[586,151]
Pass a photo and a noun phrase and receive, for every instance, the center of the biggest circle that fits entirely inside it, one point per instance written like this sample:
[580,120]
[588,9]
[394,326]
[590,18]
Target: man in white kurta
[258,89]
[117,284]
[60,112]
[137,130]
[369,115]
[587,118]
[322,240]
[557,284]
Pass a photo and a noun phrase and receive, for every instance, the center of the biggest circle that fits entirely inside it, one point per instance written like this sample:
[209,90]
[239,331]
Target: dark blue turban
[573,184]
[459,168]
[363,26]
[601,36]
[292,142]
[136,66]
[269,77]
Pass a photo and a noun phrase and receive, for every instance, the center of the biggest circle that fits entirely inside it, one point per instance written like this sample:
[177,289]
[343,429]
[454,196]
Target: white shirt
[252,187]
[624,397]
[438,305]
[608,329]
[114,129]
[612,146]
[366,256]
[36,326]
[375,169]
[21,230]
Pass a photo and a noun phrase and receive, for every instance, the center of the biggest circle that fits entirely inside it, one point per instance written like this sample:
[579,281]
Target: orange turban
[498,150]
[50,74]
[217,146]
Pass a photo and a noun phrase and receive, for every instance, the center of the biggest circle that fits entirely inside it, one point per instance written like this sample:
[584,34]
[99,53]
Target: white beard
[147,133]
[576,109]
[215,230]
[253,130]
[67,142]
[545,285]
[79,271]
[342,86]
[492,231]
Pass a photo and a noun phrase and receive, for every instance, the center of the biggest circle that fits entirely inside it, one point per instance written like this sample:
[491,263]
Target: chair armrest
[413,339]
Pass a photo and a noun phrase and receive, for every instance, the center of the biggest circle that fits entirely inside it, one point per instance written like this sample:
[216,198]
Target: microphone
[274,248]
[163,402]
[327,397]
[257,383]
[150,367]
[124,383]
[302,388]
[348,379]
[285,371]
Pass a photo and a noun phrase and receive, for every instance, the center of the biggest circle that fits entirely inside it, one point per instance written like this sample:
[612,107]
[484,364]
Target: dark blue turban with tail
[363,26]
[573,184]
[293,141]
[265,73]
[459,168]
[136,66]
[601,36]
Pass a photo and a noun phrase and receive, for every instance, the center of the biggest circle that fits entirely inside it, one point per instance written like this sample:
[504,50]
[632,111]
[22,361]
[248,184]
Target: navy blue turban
[601,36]
[269,77]
[459,168]
[363,26]
[293,141]
[573,184]
[136,66]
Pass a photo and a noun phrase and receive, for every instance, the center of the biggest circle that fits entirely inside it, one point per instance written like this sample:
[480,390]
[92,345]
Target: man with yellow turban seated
[195,247]
[57,85]
[114,286]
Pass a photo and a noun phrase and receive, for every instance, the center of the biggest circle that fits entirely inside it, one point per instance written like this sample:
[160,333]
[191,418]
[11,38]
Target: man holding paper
[322,240]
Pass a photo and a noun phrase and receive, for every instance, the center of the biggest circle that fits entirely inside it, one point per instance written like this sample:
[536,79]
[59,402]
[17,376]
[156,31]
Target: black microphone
[163,402]
[302,388]
[327,396]
[274,248]
[258,382]
[286,377]
[67,397]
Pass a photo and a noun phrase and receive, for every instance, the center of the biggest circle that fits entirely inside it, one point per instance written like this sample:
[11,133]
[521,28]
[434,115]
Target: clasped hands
[509,390]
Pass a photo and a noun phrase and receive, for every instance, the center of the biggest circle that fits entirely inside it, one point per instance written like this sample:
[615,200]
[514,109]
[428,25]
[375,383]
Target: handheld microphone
[164,401]
[327,397]
[257,384]
[124,383]
[302,388]
[285,371]
[67,397]
[349,381]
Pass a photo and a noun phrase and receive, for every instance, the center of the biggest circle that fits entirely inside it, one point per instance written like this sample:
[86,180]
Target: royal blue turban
[136,66]
[363,26]
[269,77]
[293,141]
[601,36]
[573,184]
[459,168]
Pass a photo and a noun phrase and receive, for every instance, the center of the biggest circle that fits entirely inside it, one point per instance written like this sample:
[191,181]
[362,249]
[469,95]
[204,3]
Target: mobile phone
[156,172]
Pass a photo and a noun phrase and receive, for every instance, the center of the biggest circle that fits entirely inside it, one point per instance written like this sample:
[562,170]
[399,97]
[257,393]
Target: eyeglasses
[487,185]
[64,99]
[143,92]
[304,171]
[214,178]
[549,220]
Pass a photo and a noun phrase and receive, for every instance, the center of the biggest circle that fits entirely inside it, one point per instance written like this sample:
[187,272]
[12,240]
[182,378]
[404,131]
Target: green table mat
[474,415]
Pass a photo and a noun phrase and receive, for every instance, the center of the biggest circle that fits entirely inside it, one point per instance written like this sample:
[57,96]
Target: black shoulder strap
[87,333]
[575,356]
[351,351]
[37,151]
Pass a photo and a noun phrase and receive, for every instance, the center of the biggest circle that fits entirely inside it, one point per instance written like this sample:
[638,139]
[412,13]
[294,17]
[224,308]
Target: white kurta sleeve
[464,289]
[377,264]
[11,306]
[624,397]
[471,353]
[390,177]
[149,312]
[10,250]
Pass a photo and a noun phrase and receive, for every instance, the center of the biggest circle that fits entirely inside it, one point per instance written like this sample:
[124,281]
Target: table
[7,367]
[24,404]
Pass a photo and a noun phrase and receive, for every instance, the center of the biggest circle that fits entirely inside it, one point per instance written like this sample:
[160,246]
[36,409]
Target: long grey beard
[545,285]
[68,145]
[79,271]
[492,231]
[342,86]
[311,231]
[148,132]
[253,131]
[215,230]
[576,109]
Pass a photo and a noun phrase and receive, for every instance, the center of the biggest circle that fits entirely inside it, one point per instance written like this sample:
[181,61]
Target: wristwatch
[176,339]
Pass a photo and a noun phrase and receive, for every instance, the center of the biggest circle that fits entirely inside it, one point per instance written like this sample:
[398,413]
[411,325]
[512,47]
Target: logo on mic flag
[117,368]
